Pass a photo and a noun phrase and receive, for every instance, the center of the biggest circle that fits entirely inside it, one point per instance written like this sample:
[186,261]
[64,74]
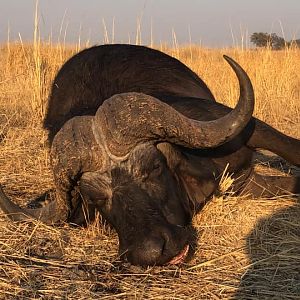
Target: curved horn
[125,120]
[47,214]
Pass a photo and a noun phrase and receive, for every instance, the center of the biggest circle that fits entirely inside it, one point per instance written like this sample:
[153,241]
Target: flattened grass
[247,249]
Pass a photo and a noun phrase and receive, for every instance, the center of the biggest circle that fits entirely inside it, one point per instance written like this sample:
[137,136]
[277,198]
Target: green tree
[272,40]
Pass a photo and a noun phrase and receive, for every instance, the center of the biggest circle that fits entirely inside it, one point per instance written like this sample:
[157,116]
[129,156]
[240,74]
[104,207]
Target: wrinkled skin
[145,173]
[151,197]
[144,203]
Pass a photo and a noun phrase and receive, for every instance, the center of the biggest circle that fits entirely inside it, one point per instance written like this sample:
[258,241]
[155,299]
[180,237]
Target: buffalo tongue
[180,257]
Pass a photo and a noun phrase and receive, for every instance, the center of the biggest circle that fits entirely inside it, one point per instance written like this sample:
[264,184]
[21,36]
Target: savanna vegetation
[247,249]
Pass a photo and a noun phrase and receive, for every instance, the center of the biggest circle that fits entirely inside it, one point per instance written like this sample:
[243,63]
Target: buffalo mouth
[156,251]
[180,257]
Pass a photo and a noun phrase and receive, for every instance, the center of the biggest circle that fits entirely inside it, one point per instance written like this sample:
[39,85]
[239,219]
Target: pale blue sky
[209,22]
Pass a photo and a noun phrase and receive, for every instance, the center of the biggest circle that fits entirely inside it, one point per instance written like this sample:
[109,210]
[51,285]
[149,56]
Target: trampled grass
[247,249]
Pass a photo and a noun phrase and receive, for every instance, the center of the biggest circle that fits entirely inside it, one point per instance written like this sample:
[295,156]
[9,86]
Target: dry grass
[247,249]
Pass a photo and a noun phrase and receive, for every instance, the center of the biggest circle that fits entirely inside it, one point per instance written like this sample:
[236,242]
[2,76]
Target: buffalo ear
[95,190]
[197,179]
[194,173]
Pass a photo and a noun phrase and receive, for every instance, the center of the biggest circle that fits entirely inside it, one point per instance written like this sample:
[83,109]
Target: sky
[211,23]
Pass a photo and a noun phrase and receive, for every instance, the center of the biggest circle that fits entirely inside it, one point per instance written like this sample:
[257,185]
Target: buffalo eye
[100,201]
[156,168]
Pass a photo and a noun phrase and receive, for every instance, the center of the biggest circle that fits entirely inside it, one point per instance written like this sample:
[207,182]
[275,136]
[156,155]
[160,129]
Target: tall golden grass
[247,249]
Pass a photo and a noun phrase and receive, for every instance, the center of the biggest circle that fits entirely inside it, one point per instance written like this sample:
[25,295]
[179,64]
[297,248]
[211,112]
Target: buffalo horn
[126,120]
[47,214]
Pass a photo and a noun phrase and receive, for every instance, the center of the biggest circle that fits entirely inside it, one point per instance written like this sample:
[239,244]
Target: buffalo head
[127,164]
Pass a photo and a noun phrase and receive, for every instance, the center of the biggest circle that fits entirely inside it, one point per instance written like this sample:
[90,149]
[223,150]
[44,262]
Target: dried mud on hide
[246,249]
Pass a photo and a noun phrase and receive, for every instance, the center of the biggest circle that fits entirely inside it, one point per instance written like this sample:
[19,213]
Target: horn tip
[229,59]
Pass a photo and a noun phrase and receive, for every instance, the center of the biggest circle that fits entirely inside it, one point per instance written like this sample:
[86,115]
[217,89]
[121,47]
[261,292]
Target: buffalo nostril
[147,252]
[159,248]
[154,248]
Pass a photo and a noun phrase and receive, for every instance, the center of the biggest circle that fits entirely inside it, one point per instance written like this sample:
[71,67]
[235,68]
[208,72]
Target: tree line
[272,40]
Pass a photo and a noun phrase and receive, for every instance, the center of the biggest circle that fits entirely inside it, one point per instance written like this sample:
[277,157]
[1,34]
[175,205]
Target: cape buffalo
[98,73]
[152,154]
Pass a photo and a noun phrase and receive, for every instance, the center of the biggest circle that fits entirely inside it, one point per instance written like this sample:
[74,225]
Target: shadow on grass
[274,250]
